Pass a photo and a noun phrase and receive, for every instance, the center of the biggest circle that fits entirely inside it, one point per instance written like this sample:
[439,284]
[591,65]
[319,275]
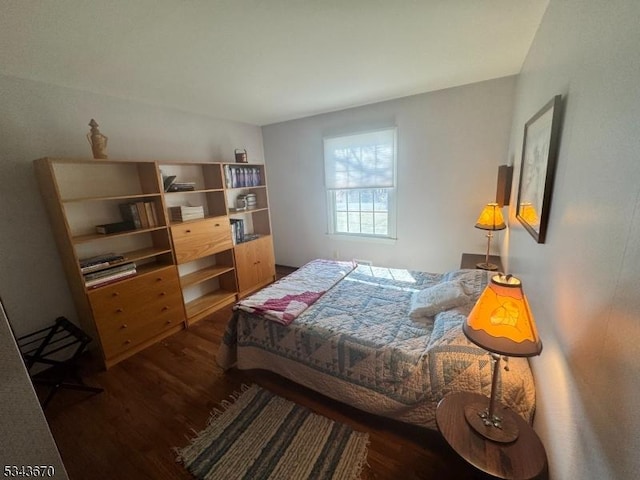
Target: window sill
[363,238]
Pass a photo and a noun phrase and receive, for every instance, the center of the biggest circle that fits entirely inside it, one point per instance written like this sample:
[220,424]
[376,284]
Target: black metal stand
[59,347]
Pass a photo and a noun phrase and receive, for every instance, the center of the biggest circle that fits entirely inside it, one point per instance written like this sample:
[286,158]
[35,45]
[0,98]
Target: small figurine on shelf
[97,141]
[241,155]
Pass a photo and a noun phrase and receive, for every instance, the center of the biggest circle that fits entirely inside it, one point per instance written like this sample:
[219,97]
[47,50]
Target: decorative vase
[97,141]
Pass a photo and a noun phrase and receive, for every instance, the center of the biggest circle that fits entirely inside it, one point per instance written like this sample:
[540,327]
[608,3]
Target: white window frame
[391,190]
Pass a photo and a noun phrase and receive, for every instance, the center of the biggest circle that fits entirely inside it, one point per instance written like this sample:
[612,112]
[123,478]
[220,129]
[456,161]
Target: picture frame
[538,167]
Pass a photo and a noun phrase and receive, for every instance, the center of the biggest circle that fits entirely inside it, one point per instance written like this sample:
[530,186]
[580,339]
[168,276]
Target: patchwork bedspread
[284,300]
[358,345]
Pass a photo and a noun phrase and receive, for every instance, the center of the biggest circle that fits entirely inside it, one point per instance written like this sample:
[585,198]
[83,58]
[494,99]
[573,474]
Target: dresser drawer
[168,308]
[132,294]
[118,338]
[194,240]
[135,310]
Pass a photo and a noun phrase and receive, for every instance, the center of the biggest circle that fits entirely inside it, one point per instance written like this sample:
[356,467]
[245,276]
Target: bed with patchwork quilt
[356,334]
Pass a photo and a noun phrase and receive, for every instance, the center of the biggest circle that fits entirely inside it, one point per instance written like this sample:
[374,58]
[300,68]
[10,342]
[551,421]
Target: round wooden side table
[522,459]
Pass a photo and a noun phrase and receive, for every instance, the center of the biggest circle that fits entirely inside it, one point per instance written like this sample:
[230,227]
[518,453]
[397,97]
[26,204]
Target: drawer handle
[217,224]
[187,231]
[162,294]
[119,310]
[127,342]
[159,279]
[124,325]
[115,294]
[168,322]
[165,308]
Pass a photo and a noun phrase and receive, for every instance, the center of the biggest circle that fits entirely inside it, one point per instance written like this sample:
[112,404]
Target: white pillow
[442,296]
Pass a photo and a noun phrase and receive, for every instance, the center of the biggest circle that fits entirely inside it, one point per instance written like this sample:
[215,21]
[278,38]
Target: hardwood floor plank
[158,399]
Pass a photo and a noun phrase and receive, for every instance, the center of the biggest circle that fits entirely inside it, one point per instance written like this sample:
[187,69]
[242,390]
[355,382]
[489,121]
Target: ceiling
[265,61]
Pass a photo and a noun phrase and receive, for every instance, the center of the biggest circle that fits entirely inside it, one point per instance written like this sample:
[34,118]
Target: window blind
[363,160]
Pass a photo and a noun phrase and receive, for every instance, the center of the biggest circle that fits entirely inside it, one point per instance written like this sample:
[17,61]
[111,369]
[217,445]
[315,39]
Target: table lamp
[491,220]
[501,323]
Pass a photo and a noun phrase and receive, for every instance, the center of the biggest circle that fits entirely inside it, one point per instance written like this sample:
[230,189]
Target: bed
[345,331]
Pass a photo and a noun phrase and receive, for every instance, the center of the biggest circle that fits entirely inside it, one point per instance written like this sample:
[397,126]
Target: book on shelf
[237,230]
[110,274]
[154,214]
[111,270]
[116,227]
[241,177]
[97,262]
[129,212]
[149,212]
[142,213]
[183,213]
[227,177]
[116,277]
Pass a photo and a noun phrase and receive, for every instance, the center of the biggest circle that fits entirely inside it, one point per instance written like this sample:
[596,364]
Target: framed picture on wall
[537,169]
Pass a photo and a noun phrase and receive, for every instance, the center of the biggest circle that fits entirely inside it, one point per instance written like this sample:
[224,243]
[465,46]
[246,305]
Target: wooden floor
[156,400]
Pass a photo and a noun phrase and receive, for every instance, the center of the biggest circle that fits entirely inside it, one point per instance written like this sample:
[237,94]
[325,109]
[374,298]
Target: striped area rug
[262,436]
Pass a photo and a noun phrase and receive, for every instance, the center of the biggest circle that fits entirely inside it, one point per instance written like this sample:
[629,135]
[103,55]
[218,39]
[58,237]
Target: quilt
[285,300]
[357,344]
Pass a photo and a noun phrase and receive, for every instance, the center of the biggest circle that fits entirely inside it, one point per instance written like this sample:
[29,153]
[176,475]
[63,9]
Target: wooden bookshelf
[184,270]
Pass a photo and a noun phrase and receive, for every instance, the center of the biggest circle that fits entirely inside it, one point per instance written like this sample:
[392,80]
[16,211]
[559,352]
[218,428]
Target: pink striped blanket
[282,302]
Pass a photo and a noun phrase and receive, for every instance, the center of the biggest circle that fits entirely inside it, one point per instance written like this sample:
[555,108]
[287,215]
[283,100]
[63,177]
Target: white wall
[450,143]
[25,438]
[583,283]
[43,120]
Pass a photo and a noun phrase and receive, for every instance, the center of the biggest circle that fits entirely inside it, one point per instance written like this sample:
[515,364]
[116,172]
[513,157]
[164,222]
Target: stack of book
[108,275]
[183,213]
[99,262]
[237,230]
[141,214]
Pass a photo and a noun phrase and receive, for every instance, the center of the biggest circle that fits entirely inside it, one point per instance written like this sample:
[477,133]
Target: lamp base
[486,266]
[502,429]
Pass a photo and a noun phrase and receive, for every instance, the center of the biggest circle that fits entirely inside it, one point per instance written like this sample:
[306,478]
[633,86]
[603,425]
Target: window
[360,178]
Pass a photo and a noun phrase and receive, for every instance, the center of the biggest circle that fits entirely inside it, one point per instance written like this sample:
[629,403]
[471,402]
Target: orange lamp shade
[491,218]
[501,321]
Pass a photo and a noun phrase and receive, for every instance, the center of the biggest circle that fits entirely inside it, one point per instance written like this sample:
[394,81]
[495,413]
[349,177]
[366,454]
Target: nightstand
[469,260]
[522,459]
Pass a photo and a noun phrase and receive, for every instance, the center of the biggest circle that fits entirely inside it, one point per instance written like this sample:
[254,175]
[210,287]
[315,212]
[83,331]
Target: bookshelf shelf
[235,211]
[203,275]
[146,259]
[144,253]
[101,236]
[209,302]
[254,187]
[111,198]
[202,190]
